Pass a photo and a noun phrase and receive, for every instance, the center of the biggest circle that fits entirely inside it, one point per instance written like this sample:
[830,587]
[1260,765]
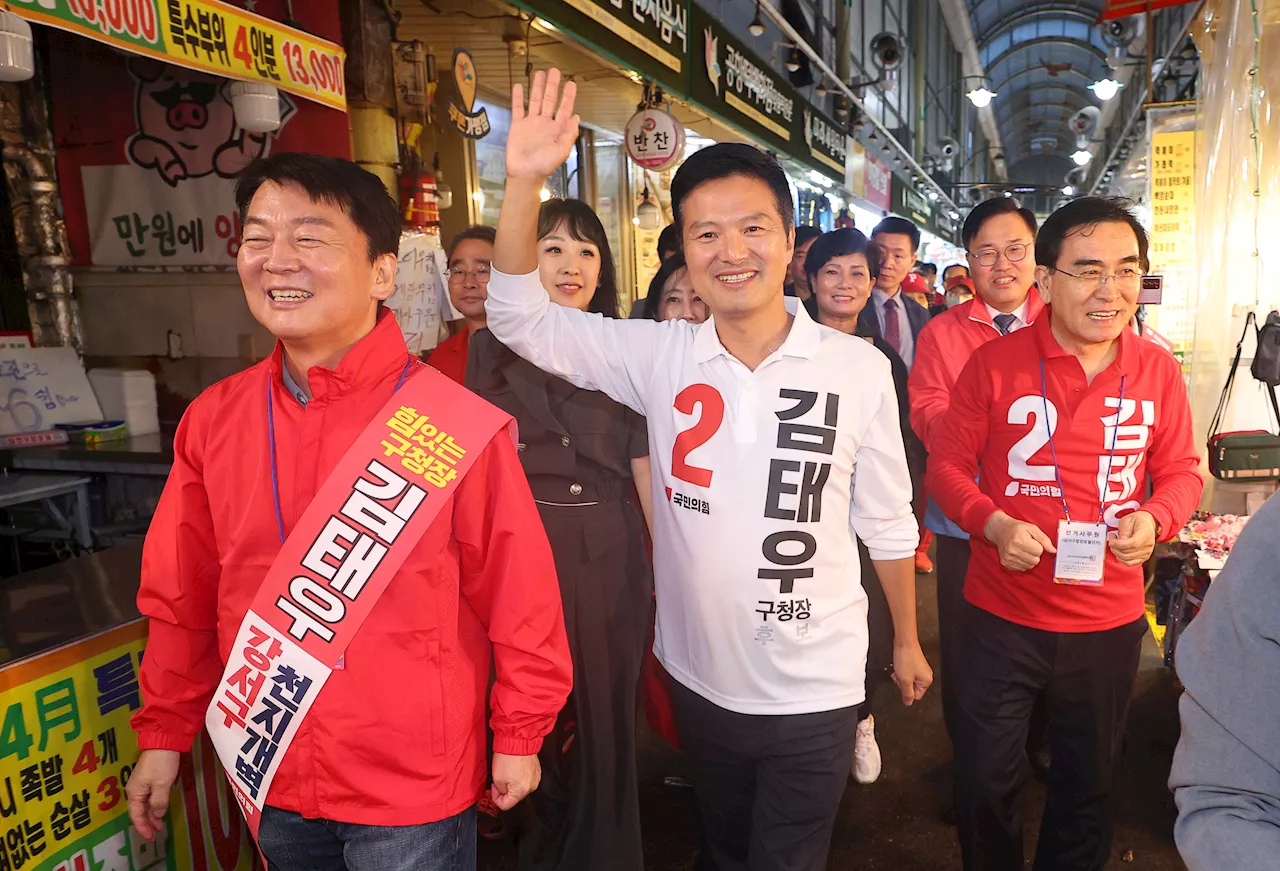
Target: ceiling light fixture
[981,97]
[1082,157]
[756,27]
[792,63]
[1068,191]
[1105,89]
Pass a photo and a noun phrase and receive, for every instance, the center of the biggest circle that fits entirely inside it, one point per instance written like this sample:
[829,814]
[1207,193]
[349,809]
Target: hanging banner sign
[655,140]
[206,35]
[66,753]
[471,124]
[1173,197]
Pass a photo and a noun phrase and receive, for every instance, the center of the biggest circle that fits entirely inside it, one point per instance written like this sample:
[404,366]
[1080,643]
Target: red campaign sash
[349,543]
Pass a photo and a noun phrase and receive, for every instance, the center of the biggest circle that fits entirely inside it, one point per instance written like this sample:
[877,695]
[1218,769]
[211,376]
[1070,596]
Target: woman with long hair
[586,457]
[842,267]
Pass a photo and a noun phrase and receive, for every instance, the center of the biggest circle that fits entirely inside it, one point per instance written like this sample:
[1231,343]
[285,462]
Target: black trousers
[952,563]
[1086,679]
[768,787]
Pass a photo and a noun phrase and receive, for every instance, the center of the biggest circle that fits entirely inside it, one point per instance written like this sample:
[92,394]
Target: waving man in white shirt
[774,442]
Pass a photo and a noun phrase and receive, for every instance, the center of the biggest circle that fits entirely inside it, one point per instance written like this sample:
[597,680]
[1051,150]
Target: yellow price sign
[66,753]
[206,35]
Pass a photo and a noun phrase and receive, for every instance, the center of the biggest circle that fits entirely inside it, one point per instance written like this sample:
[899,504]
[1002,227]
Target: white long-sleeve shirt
[761,480]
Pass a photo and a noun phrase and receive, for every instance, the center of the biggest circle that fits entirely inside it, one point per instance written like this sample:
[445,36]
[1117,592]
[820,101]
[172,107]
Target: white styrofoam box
[128,395]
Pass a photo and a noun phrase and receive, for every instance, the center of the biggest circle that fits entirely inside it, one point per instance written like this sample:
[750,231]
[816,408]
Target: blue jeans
[290,842]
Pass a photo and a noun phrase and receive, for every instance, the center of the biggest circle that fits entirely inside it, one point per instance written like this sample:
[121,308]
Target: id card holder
[1082,553]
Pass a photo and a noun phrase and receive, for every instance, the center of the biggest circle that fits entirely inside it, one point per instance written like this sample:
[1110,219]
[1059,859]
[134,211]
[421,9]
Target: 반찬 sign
[205,35]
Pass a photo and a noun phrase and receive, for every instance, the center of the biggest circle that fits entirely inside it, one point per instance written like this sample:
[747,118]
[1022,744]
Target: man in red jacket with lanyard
[1066,420]
[345,540]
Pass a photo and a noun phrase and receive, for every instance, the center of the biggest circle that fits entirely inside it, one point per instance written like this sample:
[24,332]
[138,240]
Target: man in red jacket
[375,757]
[998,235]
[470,255]
[1066,420]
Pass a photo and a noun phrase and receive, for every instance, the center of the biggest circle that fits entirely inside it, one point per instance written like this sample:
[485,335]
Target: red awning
[1125,8]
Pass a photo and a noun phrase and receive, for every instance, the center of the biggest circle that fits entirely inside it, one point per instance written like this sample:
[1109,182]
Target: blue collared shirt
[291,385]
[906,341]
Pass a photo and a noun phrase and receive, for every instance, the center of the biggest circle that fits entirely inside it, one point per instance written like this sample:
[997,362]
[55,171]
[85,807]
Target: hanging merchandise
[654,138]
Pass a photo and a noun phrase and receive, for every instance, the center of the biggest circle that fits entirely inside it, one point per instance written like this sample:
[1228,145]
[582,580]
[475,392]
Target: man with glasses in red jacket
[998,236]
[1066,420]
[345,543]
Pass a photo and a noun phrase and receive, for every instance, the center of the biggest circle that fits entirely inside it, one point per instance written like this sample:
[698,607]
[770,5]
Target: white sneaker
[866,753]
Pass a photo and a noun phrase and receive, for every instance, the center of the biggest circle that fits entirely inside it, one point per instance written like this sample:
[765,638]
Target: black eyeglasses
[988,256]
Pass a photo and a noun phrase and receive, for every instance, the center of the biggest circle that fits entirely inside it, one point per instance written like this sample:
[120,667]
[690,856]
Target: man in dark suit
[891,316]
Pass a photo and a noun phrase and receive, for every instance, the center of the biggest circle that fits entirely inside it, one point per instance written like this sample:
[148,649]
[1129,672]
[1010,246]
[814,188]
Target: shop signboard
[946,226]
[911,204]
[1173,196]
[206,35]
[651,37]
[654,139]
[465,118]
[66,753]
[729,80]
[826,143]
[879,184]
[856,170]
[143,184]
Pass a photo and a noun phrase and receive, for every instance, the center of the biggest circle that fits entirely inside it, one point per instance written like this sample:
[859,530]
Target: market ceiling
[1040,56]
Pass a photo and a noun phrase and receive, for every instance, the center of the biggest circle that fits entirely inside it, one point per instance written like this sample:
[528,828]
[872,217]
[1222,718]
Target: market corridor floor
[894,823]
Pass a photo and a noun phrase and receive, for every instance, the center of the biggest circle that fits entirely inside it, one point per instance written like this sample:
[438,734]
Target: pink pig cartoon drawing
[187,126]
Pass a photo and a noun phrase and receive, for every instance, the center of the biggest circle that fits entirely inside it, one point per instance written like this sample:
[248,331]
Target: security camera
[886,51]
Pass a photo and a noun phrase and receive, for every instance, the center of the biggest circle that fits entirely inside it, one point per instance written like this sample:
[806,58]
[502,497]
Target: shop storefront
[712,83]
[121,154]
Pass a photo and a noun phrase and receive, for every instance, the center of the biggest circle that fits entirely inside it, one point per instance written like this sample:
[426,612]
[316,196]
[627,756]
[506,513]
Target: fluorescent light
[1082,157]
[1105,89]
[546,25]
[981,97]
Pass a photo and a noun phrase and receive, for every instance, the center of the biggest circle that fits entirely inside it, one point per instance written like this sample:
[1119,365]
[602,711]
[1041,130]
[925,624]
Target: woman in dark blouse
[586,457]
[842,267]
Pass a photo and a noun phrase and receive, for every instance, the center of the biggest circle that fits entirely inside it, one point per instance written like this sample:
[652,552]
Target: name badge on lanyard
[1082,546]
[1082,552]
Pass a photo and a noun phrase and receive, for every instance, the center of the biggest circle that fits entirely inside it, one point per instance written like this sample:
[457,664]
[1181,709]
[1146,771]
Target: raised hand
[541,138]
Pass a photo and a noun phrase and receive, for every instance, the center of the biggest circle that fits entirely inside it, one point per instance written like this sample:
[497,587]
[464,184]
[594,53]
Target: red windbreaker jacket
[943,348]
[996,422]
[397,736]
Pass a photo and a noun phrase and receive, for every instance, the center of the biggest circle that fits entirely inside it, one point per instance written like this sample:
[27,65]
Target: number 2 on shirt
[697,435]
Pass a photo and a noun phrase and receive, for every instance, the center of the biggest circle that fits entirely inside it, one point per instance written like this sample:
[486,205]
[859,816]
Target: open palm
[541,138]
